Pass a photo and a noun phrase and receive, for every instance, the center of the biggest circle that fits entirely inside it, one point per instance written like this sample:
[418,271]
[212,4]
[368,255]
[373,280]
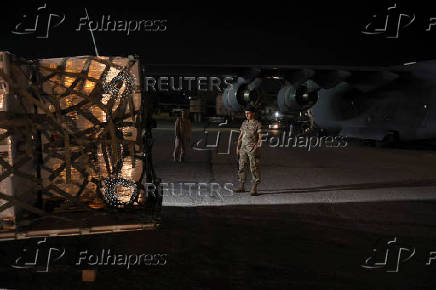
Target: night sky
[229,32]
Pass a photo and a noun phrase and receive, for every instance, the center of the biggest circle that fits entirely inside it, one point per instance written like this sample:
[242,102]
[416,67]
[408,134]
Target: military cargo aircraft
[376,103]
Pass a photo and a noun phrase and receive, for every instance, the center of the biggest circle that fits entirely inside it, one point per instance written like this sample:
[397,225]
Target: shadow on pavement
[359,186]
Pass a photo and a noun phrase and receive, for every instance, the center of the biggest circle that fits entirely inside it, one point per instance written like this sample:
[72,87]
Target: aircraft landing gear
[390,140]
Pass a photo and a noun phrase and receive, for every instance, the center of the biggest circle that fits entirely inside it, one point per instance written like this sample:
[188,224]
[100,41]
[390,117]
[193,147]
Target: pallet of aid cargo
[75,147]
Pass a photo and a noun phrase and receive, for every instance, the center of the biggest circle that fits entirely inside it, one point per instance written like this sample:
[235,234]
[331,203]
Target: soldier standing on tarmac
[248,150]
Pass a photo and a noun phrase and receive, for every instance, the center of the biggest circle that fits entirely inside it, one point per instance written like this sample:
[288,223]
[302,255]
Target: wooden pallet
[80,129]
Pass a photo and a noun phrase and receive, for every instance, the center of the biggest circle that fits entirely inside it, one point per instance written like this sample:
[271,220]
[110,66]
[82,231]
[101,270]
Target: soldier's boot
[253,190]
[240,188]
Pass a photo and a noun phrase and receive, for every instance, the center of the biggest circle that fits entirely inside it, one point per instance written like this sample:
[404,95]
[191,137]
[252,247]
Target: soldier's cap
[250,108]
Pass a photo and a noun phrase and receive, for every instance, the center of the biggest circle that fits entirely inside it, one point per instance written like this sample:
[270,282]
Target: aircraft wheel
[391,140]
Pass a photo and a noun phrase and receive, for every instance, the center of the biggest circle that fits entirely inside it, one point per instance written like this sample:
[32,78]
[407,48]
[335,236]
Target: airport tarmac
[293,174]
[357,217]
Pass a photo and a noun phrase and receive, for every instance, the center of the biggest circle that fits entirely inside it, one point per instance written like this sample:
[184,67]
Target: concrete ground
[357,217]
[293,175]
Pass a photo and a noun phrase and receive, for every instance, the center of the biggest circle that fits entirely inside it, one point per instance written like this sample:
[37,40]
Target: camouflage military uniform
[247,157]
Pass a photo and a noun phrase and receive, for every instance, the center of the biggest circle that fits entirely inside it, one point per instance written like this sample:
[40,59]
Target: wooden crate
[78,134]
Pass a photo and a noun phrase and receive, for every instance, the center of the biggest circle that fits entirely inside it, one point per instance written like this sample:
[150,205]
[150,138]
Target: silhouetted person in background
[182,130]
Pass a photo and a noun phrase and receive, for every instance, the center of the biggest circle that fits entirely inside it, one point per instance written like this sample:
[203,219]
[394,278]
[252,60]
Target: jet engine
[297,98]
[240,94]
